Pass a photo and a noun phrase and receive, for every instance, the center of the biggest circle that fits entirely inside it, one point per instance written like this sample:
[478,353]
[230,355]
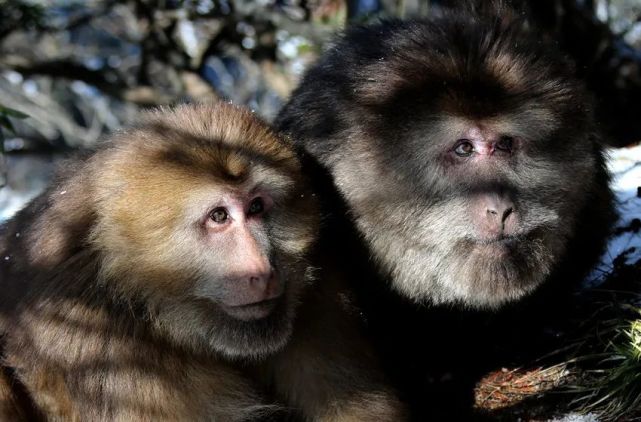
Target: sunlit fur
[152,194]
[384,105]
[102,313]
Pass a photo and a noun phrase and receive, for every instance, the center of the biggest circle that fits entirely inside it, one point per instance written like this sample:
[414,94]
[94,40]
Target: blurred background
[71,71]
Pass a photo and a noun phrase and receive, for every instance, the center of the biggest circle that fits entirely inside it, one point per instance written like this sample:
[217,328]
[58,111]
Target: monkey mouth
[500,240]
[253,311]
[501,246]
[506,240]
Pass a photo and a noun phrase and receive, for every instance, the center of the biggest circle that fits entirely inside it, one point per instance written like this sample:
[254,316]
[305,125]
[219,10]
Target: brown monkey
[159,278]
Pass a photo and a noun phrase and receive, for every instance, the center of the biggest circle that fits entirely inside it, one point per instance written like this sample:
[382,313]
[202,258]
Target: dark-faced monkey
[166,276]
[464,153]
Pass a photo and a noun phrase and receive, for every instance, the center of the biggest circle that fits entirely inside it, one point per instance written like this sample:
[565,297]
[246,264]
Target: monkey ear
[66,215]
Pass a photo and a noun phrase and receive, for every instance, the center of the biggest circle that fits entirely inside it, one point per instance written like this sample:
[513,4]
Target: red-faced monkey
[165,276]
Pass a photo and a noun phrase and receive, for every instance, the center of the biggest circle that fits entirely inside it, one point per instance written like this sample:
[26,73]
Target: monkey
[167,275]
[461,155]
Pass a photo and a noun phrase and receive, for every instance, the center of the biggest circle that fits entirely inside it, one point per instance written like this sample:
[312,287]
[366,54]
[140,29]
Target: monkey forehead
[459,64]
[429,138]
[155,193]
[148,171]
[218,139]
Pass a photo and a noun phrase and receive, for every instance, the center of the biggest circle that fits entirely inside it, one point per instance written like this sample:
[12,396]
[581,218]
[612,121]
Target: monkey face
[480,215]
[463,147]
[250,241]
[242,277]
[208,227]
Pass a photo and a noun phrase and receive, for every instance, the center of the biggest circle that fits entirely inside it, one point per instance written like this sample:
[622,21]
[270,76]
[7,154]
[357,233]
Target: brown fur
[97,312]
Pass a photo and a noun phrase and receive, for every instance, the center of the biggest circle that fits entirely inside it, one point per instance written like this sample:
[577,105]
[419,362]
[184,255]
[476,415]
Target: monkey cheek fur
[255,338]
[470,274]
[202,326]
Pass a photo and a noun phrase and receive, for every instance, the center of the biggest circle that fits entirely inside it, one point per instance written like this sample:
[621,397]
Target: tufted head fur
[383,112]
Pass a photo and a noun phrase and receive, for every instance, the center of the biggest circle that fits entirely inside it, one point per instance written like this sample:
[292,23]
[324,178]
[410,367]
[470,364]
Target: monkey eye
[256,206]
[219,215]
[505,144]
[464,148]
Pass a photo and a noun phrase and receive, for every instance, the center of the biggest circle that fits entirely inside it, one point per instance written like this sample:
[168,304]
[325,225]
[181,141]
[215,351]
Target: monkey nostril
[499,213]
[261,277]
[507,213]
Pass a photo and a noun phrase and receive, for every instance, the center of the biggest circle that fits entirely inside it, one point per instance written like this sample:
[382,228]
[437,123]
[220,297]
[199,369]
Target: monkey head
[464,149]
[203,216]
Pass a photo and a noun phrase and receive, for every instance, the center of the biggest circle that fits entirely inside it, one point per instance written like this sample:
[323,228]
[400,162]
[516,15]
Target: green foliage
[612,387]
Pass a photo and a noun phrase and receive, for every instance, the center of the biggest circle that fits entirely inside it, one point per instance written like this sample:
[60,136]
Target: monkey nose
[498,214]
[264,285]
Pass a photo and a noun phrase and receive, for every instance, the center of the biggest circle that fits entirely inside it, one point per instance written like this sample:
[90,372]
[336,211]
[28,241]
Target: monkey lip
[498,240]
[496,246]
[252,311]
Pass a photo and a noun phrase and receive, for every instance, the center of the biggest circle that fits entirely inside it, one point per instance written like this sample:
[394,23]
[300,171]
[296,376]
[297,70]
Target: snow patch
[625,166]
